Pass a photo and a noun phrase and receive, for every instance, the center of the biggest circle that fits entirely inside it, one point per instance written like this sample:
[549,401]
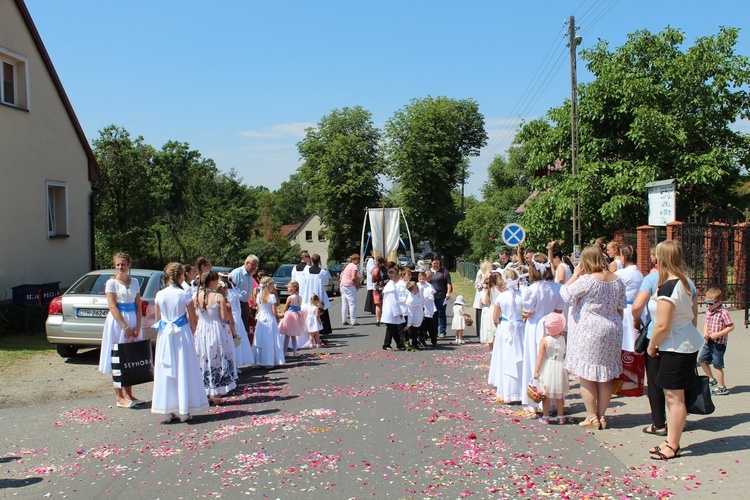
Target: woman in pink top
[350,281]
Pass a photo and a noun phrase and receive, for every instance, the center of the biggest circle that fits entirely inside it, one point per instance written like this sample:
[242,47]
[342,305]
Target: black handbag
[132,363]
[641,341]
[698,399]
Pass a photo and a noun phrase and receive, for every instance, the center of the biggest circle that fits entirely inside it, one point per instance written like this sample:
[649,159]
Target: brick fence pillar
[643,247]
[674,231]
[741,249]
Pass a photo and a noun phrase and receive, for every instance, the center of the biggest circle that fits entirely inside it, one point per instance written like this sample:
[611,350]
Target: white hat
[460,300]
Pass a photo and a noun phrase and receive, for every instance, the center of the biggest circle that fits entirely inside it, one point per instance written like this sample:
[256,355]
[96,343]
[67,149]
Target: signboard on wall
[662,202]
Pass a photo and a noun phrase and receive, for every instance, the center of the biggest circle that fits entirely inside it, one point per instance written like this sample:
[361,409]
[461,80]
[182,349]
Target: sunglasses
[710,304]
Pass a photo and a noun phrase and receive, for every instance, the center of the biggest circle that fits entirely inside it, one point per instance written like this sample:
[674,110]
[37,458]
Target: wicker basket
[237,340]
[469,322]
[534,393]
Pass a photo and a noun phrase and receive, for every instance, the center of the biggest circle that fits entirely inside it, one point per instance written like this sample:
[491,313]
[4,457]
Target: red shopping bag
[630,382]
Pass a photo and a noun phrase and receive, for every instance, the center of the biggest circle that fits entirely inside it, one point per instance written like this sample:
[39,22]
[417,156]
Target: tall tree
[290,201]
[652,112]
[124,205]
[427,144]
[341,169]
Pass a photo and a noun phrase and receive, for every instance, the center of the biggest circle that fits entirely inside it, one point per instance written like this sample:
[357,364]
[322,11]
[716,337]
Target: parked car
[281,279]
[403,261]
[76,318]
[334,288]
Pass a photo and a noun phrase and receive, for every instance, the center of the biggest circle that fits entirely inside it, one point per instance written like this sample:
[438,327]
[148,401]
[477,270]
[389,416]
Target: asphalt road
[347,421]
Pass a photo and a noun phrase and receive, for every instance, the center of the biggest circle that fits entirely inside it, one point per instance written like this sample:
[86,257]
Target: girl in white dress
[458,325]
[313,325]
[178,384]
[213,342]
[506,366]
[549,367]
[123,322]
[480,285]
[267,337]
[540,298]
[243,353]
[414,315]
[293,323]
[487,328]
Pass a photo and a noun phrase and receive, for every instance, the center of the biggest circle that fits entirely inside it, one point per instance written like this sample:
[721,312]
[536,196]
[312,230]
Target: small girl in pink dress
[293,323]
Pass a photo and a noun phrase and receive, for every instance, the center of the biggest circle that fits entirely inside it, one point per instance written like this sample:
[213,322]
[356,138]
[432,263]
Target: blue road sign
[514,234]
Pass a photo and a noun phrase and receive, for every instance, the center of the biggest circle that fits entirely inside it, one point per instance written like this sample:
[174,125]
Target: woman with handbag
[349,283]
[123,322]
[675,340]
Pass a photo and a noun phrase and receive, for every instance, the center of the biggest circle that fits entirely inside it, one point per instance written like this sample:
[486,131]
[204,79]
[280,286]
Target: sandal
[590,423]
[658,455]
[656,449]
[656,431]
[603,422]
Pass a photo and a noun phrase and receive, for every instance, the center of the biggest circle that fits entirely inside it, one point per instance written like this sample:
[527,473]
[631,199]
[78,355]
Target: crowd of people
[542,317]
[552,319]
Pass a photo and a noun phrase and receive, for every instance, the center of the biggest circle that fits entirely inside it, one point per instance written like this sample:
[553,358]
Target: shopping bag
[698,399]
[630,382]
[132,363]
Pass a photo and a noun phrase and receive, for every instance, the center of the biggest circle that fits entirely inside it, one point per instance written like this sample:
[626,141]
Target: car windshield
[93,284]
[283,272]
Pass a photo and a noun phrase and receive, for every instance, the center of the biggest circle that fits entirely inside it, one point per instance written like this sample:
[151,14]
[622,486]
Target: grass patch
[19,347]
[462,286]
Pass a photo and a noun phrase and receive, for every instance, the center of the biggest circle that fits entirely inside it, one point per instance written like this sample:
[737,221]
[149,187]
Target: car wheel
[66,350]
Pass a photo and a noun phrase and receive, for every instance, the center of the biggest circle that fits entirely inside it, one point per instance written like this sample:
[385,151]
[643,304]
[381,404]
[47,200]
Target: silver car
[76,318]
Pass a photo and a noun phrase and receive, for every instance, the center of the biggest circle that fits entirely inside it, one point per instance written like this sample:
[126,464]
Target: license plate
[91,313]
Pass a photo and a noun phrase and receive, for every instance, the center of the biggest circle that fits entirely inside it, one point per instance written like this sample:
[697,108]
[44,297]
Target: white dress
[113,333]
[632,277]
[459,321]
[479,293]
[268,339]
[215,349]
[178,382]
[312,322]
[541,298]
[244,353]
[487,331]
[506,365]
[553,375]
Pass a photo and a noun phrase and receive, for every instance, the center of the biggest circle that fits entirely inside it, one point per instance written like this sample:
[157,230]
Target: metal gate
[716,255]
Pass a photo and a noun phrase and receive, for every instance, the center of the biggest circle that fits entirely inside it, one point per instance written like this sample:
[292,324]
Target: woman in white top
[123,322]
[480,286]
[631,277]
[675,340]
[615,257]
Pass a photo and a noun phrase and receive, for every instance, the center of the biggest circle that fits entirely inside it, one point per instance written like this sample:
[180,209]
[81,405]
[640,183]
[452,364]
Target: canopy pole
[411,245]
[362,241]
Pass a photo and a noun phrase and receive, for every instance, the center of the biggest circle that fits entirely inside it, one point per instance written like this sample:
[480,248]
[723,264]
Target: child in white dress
[540,298]
[267,336]
[506,366]
[293,323]
[178,384]
[488,297]
[243,353]
[213,342]
[313,311]
[414,314]
[123,322]
[549,367]
[458,325]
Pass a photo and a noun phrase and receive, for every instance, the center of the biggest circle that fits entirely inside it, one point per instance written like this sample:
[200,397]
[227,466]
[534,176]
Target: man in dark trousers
[441,282]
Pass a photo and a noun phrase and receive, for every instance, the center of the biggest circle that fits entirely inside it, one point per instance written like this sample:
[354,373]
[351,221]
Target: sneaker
[387,348]
[713,382]
[720,391]
[441,336]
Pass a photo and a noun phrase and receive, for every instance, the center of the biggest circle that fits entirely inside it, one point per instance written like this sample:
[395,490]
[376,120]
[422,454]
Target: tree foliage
[341,166]
[507,186]
[427,144]
[653,112]
[170,204]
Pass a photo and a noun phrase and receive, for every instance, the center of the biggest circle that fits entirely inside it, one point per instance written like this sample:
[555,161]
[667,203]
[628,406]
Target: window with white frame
[57,209]
[13,79]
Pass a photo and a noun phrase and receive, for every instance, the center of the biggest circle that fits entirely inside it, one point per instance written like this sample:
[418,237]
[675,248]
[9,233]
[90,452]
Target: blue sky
[241,80]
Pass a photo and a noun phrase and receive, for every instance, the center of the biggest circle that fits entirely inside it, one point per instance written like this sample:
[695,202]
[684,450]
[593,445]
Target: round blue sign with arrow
[514,234]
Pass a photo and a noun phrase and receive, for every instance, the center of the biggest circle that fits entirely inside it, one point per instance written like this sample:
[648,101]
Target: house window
[8,93]
[321,237]
[13,79]
[57,210]
[308,236]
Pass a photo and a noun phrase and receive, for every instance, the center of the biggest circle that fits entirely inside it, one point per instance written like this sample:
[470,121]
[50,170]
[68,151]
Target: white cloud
[279,131]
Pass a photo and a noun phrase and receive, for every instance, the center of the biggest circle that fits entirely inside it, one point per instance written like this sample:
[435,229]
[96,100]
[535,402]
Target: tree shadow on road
[19,483]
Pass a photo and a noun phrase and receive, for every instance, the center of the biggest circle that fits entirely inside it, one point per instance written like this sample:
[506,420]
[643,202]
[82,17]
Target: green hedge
[16,320]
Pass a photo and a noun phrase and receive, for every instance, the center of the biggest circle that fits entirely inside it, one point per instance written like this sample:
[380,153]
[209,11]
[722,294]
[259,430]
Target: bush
[16,319]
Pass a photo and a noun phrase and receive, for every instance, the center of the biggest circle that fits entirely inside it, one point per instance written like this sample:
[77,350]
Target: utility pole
[574,42]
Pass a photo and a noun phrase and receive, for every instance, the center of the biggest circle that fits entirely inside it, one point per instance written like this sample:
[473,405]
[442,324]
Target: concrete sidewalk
[715,448]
